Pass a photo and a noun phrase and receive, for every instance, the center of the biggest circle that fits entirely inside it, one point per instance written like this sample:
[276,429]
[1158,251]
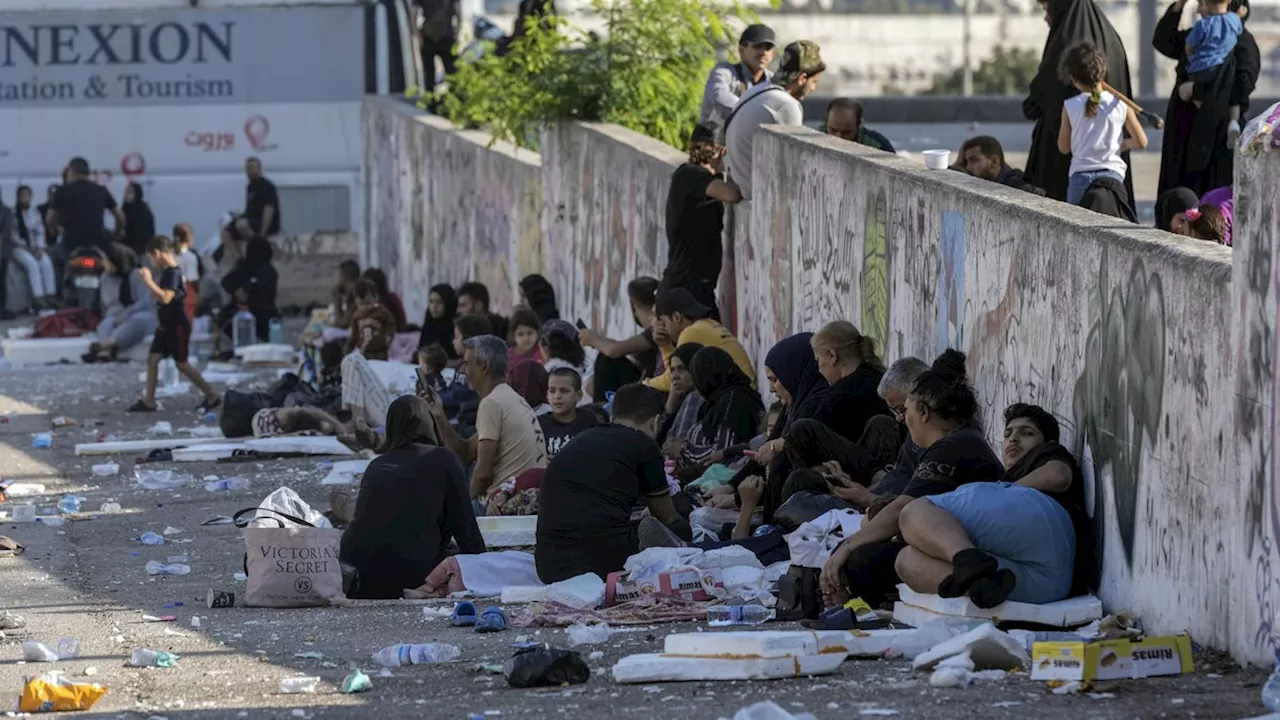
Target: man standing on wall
[728,82]
[772,103]
[438,34]
[261,204]
[695,220]
[79,208]
[844,120]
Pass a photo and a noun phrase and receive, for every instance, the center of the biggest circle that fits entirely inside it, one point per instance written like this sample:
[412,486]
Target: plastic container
[583,634]
[42,440]
[106,469]
[1271,690]
[152,658]
[110,507]
[937,159]
[158,568]
[23,513]
[168,373]
[15,490]
[151,538]
[298,685]
[160,479]
[225,484]
[400,655]
[721,615]
[244,329]
[69,504]
[275,332]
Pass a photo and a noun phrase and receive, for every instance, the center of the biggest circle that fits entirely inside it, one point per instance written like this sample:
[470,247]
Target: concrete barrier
[447,205]
[308,264]
[1155,352]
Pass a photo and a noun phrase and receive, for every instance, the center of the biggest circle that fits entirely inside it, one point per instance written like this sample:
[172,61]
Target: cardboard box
[1111,659]
[688,583]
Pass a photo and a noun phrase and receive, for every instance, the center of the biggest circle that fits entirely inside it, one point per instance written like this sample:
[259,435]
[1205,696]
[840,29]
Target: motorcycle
[84,271]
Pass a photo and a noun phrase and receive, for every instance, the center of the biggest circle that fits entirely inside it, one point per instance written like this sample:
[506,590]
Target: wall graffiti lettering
[952,254]
[874,280]
[1119,395]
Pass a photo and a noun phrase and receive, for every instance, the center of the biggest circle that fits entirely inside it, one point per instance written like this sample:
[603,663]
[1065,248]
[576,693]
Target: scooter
[84,278]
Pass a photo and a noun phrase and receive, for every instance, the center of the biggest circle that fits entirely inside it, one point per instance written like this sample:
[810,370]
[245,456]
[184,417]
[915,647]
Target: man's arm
[486,461]
[616,348]
[163,295]
[464,449]
[268,214]
[724,191]
[721,91]
[1052,477]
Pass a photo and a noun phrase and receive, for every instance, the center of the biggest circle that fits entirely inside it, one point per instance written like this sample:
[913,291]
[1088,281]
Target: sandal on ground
[464,615]
[208,406]
[141,407]
[491,620]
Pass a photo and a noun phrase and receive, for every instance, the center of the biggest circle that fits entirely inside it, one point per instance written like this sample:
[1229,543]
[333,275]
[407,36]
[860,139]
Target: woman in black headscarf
[1197,153]
[537,294]
[413,500]
[139,223]
[437,323]
[1170,207]
[731,409]
[1071,22]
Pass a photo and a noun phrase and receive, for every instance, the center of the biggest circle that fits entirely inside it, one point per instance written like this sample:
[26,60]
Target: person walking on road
[729,81]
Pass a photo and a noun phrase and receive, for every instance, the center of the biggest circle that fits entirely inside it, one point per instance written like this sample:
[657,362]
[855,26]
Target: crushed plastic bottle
[106,470]
[69,505]
[33,651]
[151,538]
[227,484]
[298,685]
[400,655]
[15,490]
[110,507]
[584,634]
[1271,690]
[152,658]
[160,479]
[722,615]
[157,568]
[42,440]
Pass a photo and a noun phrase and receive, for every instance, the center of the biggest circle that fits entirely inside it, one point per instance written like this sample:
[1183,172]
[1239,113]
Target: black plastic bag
[804,506]
[238,409]
[545,666]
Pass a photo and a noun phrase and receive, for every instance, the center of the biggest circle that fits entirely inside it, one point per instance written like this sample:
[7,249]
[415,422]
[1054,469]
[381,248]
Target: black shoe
[655,533]
[141,407]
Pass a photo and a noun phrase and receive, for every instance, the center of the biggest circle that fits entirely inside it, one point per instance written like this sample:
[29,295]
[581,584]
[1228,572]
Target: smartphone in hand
[581,325]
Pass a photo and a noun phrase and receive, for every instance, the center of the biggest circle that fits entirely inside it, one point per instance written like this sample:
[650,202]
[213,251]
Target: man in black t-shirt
[695,219]
[79,208]
[591,487]
[261,204]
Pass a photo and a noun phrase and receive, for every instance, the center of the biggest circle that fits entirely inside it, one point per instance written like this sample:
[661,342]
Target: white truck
[176,94]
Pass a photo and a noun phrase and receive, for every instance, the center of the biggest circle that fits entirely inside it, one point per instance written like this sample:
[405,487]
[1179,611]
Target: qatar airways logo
[115,44]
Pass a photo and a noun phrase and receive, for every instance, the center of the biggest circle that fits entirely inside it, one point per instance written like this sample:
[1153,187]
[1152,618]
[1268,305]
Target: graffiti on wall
[1119,395]
[874,279]
[952,251]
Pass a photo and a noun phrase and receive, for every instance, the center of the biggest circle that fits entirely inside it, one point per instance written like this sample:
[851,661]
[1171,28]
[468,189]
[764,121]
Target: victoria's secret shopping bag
[291,566]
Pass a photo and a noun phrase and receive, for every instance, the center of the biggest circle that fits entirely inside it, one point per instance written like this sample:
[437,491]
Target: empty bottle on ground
[718,615]
[400,655]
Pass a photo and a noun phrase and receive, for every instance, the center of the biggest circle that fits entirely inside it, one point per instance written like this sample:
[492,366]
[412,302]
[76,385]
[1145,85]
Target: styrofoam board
[45,351]
[344,472]
[1063,613]
[668,668]
[509,538]
[757,643]
[301,444]
[134,446]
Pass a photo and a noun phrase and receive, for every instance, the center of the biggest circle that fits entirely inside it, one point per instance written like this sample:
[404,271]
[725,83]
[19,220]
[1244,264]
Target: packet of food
[52,692]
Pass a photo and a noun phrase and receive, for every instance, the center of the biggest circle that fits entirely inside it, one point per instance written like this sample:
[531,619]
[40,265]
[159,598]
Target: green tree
[1007,72]
[646,72]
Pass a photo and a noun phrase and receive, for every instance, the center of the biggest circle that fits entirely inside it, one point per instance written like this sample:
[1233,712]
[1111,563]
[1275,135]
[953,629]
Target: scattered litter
[543,666]
[9,621]
[768,710]
[1007,704]
[298,685]
[987,647]
[385,673]
[151,538]
[152,658]
[595,655]
[309,655]
[881,712]
[154,618]
[160,479]
[17,489]
[157,568]
[584,634]
[69,505]
[51,692]
[356,682]
[90,671]
[52,521]
[68,648]
[171,530]
[195,621]
[954,672]
[42,440]
[1075,687]
[239,576]
[433,613]
[220,520]
[110,507]
[583,591]
[669,668]
[227,484]
[400,655]
[63,421]
[106,470]
[33,651]
[163,427]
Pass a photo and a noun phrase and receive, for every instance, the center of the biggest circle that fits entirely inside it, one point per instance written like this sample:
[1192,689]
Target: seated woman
[343,295]
[372,330]
[1026,538]
[413,501]
[128,309]
[683,403]
[437,323]
[537,294]
[389,300]
[364,394]
[940,415]
[562,348]
[731,411]
[622,362]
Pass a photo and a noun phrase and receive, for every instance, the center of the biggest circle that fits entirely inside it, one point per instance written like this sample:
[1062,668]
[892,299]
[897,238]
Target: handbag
[292,565]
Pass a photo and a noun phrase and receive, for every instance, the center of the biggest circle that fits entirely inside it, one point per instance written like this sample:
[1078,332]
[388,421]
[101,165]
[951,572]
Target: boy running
[174,330]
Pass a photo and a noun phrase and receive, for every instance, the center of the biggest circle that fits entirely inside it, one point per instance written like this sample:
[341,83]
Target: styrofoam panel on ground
[668,668]
[142,446]
[1063,613]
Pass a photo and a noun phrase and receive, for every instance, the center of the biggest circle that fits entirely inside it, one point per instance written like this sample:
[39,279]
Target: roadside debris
[144,658]
[584,634]
[52,692]
[543,666]
[356,682]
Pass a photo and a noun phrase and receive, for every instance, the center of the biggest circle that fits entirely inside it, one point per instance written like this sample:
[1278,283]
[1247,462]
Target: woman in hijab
[437,324]
[683,403]
[1197,151]
[413,501]
[537,294]
[730,413]
[530,383]
[139,223]
[1171,206]
[128,309]
[386,297]
[1071,22]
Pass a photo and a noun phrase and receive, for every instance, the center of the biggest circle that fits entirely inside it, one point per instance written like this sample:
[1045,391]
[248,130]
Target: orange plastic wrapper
[51,692]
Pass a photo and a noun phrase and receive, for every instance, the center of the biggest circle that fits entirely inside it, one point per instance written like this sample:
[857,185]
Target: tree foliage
[646,72]
[1007,72]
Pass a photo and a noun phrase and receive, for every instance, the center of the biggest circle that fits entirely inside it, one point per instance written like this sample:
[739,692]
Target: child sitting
[433,360]
[1094,124]
[566,420]
[525,332]
[1211,40]
[1206,223]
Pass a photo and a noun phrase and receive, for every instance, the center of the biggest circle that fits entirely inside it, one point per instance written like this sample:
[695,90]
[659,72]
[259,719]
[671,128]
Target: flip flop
[209,406]
[140,407]
[492,620]
[464,614]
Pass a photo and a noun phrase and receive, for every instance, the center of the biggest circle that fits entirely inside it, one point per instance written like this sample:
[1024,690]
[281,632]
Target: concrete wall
[308,264]
[1155,352]
[447,205]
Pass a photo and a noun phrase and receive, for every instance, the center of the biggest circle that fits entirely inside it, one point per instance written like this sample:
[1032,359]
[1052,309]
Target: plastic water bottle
[275,332]
[721,615]
[69,504]
[168,373]
[244,329]
[1271,691]
[298,685]
[151,538]
[231,483]
[158,568]
[400,655]
[143,657]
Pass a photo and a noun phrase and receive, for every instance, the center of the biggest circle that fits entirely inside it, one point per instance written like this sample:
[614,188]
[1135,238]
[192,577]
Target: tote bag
[294,565]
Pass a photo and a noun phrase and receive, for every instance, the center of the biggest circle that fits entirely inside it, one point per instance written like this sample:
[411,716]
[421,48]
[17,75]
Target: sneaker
[655,533]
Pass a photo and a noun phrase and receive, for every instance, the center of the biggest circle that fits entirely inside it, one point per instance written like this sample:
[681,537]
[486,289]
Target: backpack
[66,323]
[238,409]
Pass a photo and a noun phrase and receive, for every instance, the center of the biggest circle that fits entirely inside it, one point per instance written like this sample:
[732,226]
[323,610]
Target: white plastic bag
[285,500]
[813,542]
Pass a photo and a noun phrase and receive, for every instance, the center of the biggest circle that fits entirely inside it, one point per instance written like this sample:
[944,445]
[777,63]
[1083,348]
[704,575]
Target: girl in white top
[1094,123]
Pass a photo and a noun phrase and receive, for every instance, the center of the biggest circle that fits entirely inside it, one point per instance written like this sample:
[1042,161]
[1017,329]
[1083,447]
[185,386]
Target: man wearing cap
[695,219]
[728,82]
[686,320]
[773,103]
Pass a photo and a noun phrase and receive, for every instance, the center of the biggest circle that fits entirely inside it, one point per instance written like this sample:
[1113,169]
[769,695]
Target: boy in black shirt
[565,421]
[174,329]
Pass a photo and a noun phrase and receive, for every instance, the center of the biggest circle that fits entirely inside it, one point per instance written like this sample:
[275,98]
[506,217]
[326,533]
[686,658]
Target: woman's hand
[767,452]
[751,490]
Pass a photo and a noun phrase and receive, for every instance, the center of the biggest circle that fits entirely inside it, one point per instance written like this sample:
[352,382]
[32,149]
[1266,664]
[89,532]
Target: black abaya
[1071,22]
[1195,153]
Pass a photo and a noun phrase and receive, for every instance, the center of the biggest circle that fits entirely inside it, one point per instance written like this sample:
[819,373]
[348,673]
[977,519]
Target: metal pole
[968,60]
[1148,13]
